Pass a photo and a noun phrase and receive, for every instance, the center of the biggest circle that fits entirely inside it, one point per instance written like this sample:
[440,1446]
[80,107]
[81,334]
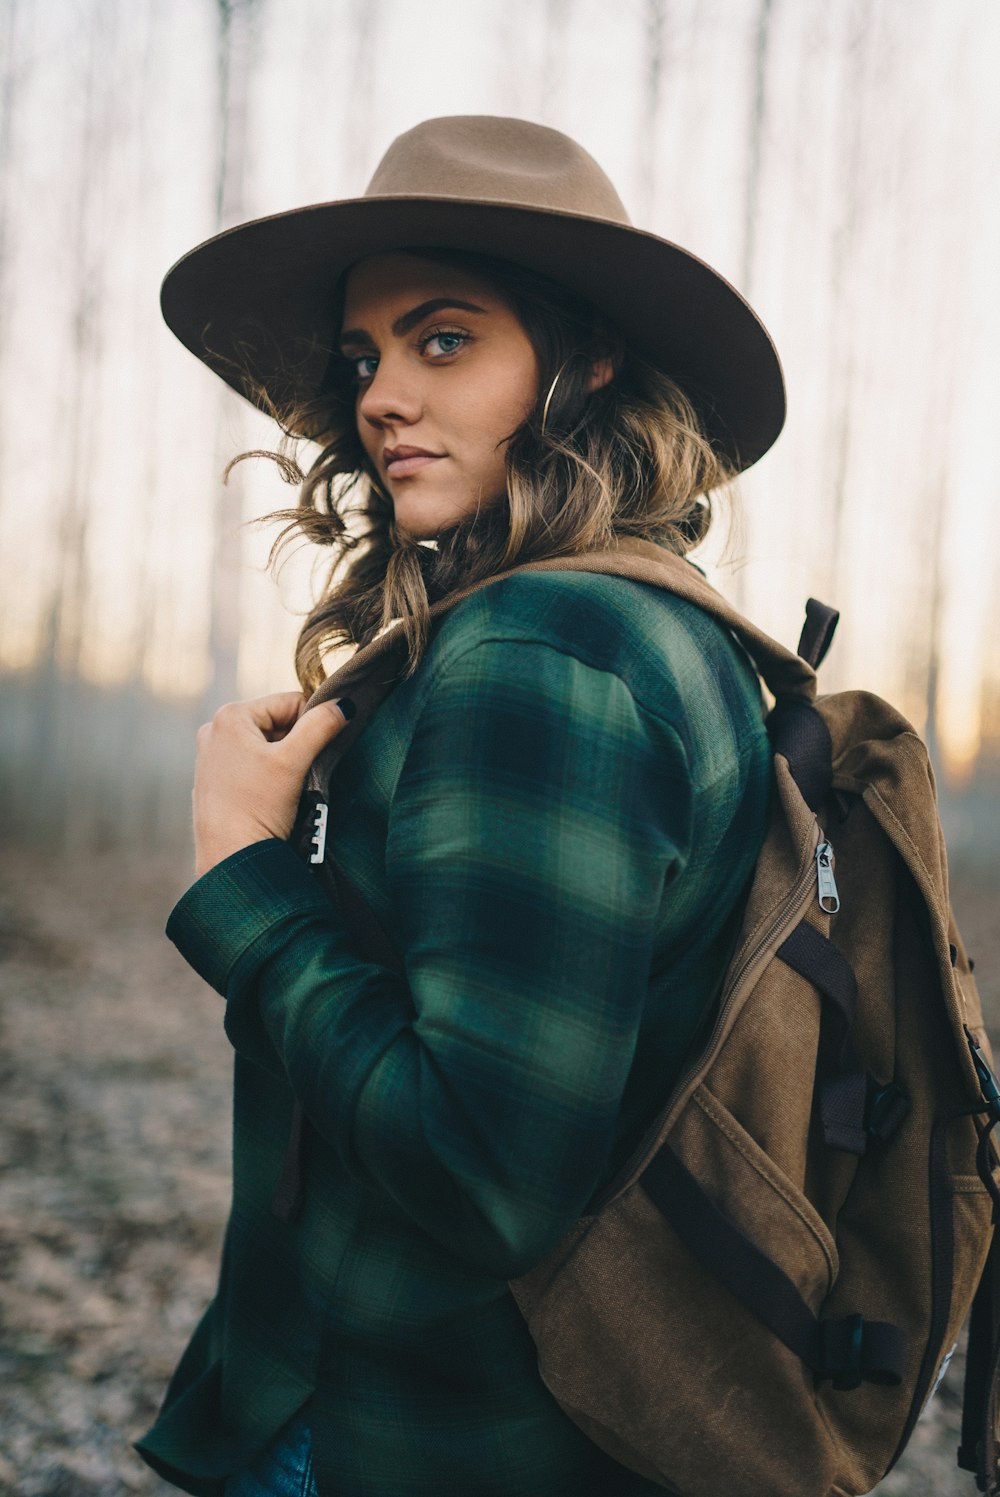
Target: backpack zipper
[826,884]
[793,904]
[789,914]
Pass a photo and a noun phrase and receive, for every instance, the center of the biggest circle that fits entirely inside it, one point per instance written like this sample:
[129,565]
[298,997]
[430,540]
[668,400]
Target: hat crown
[490,158]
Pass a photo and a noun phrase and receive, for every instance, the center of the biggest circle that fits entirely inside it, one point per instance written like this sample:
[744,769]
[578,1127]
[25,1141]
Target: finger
[311,734]
[277,713]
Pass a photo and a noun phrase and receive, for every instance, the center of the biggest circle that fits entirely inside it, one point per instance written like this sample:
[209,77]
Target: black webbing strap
[817,632]
[849,1350]
[978,1451]
[941,1194]
[843,1086]
[799,734]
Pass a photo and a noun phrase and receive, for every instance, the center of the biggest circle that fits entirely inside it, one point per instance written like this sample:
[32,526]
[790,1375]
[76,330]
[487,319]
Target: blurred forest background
[837,160]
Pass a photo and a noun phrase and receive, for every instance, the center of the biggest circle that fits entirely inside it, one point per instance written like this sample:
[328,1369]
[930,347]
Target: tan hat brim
[260,297]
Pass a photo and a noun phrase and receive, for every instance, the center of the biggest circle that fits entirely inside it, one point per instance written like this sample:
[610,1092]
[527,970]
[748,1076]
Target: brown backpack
[762,1302]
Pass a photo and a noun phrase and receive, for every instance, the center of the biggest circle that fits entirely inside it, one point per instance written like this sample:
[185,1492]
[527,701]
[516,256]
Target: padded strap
[373,670]
[849,1350]
[842,1084]
[799,734]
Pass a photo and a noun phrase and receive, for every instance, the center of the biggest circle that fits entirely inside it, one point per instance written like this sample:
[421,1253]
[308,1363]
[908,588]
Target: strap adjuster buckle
[988,1084]
[841,1344]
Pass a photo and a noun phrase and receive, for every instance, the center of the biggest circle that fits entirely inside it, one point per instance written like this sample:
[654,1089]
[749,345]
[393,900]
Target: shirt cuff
[231,914]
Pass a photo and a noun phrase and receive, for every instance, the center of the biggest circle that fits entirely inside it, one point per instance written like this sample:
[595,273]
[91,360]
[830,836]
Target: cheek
[367,435]
[509,397]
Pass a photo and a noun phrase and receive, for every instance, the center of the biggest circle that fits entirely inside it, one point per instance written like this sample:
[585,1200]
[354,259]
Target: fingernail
[347,707]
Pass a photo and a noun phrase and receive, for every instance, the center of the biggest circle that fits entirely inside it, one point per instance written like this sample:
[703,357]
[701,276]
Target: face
[445,374]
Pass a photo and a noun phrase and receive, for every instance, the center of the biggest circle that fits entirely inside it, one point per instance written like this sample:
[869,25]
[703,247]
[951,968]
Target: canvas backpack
[763,1300]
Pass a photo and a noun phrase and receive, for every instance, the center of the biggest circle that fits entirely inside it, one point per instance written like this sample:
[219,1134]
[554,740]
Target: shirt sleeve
[538,815]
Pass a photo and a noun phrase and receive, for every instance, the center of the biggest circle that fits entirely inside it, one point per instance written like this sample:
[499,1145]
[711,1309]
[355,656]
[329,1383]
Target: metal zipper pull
[317,841]
[826,884]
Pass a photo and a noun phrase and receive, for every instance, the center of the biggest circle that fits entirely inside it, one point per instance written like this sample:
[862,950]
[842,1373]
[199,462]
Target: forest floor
[115,1079]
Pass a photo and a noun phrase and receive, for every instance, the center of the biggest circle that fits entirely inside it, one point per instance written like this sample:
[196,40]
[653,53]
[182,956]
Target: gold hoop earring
[548,398]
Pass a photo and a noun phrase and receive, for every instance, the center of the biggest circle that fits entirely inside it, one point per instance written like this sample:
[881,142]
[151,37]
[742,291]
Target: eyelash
[443,332]
[422,342]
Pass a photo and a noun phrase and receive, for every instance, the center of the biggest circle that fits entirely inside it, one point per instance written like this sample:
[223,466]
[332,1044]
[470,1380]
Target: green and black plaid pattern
[555,819]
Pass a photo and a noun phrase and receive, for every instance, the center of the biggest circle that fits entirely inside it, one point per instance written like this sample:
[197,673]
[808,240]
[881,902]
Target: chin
[426,525]
[417,531]
[423,520]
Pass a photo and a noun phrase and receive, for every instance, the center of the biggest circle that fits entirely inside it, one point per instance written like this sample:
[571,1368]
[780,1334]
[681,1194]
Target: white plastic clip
[318,839]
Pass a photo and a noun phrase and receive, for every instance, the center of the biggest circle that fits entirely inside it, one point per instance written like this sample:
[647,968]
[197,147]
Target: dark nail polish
[347,707]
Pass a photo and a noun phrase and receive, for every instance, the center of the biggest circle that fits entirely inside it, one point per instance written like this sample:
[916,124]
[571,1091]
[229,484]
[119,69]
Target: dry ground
[115,1078]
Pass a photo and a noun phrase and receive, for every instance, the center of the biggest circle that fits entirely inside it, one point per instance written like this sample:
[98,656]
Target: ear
[603,369]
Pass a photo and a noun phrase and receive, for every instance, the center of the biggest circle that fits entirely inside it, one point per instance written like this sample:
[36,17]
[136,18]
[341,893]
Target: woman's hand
[251,763]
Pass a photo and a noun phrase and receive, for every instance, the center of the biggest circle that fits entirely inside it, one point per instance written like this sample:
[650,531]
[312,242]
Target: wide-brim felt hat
[259,299]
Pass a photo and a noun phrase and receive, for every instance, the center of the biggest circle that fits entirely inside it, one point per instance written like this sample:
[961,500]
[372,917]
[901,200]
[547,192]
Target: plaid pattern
[554,818]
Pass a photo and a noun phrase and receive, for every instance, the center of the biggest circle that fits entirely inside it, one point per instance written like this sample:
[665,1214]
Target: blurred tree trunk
[654,47]
[10,65]
[360,78]
[845,330]
[936,421]
[737,582]
[57,749]
[64,615]
[936,528]
[550,84]
[755,143]
[139,757]
[233,70]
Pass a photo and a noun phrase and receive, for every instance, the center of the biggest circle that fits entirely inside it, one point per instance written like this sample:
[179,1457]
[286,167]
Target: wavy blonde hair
[630,458]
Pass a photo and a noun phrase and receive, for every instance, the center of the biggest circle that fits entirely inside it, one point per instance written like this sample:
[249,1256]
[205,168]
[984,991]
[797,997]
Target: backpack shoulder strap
[785,673]
[371,672]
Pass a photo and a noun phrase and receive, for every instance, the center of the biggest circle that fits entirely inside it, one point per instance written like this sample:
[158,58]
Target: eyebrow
[409,320]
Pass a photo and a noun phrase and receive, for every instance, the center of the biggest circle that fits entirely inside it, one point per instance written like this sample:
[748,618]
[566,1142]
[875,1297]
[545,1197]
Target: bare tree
[550,84]
[755,141]
[843,345]
[928,599]
[751,204]
[233,71]
[10,78]
[654,47]
[64,612]
[365,17]
[138,760]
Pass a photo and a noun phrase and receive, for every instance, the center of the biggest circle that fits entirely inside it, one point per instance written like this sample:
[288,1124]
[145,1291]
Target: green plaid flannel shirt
[555,819]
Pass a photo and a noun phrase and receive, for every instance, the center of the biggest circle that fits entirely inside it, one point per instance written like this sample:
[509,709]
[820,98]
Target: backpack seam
[722,1124]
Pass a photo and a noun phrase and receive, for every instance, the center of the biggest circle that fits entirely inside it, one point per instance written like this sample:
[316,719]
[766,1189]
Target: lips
[401,461]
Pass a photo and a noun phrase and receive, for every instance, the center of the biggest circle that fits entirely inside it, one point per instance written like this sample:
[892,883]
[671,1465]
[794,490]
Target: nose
[391,396]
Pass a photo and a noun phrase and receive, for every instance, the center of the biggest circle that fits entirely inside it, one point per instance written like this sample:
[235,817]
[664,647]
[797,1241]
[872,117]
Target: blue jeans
[284,1469]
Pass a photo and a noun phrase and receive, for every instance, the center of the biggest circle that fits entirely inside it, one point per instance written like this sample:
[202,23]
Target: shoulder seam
[547,644]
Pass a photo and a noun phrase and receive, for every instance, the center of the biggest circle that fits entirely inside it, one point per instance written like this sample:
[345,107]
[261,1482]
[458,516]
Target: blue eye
[358,367]
[448,342]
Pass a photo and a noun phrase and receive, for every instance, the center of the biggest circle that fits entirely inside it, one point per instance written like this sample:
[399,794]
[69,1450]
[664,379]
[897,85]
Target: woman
[552,817]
